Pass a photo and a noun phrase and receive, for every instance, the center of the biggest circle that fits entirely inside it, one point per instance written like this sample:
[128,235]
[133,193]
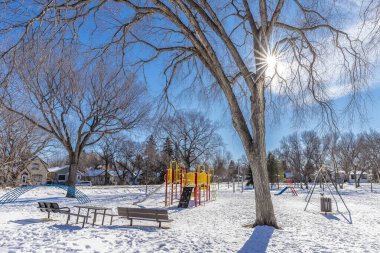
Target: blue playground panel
[14,194]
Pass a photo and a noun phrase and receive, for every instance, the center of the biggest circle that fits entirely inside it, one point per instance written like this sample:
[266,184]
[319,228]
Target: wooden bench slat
[144,216]
[145,210]
[159,215]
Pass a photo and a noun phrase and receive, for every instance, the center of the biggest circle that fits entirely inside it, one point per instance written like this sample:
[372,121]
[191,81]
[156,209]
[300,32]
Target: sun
[270,64]
[271,61]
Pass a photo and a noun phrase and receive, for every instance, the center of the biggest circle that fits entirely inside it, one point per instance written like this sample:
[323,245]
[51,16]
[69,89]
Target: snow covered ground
[217,226]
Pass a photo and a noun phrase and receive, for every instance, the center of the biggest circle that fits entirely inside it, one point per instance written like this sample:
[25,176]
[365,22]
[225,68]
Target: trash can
[325,205]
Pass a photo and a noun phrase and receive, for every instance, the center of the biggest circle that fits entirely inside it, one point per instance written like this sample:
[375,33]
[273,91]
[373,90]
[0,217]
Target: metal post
[242,184]
[200,195]
[166,188]
[233,185]
[180,183]
[171,194]
[196,188]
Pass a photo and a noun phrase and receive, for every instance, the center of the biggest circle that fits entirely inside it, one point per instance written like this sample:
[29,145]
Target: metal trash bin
[326,205]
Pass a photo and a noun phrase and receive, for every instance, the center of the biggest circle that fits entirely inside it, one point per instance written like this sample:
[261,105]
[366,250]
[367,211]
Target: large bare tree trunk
[73,171]
[257,159]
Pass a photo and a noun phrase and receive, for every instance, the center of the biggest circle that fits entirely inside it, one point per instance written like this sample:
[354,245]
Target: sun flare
[271,61]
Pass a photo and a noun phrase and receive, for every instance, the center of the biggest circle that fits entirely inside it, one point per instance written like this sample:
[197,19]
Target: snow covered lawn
[216,227]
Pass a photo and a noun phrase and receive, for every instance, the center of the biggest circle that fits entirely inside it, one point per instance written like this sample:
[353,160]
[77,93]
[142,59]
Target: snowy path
[215,227]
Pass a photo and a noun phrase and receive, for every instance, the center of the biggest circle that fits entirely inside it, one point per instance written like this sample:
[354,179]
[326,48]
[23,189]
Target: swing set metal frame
[324,178]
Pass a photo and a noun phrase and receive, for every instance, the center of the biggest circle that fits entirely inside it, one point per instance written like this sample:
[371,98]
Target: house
[97,176]
[288,174]
[35,172]
[365,178]
[60,175]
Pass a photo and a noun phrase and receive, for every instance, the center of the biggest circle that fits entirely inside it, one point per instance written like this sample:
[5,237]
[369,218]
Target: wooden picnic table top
[94,207]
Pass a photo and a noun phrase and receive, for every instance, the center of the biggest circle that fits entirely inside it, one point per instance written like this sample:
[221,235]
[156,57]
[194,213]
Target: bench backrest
[145,213]
[48,207]
[54,207]
[42,206]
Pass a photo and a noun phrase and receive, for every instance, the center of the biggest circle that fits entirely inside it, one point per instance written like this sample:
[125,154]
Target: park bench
[159,215]
[51,207]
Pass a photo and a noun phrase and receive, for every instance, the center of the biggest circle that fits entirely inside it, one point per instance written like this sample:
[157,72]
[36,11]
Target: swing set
[324,179]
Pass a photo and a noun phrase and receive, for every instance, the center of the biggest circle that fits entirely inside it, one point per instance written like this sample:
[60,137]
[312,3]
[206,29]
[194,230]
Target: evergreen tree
[152,164]
[273,168]
[231,169]
[249,177]
[168,148]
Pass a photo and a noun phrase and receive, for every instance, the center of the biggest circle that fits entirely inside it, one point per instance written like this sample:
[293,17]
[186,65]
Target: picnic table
[97,211]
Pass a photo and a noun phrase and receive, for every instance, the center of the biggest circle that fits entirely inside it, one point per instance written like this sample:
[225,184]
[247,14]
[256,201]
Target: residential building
[35,172]
[60,175]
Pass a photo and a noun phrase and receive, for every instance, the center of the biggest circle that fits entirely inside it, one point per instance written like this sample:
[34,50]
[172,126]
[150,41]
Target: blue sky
[218,111]
[188,99]
[275,131]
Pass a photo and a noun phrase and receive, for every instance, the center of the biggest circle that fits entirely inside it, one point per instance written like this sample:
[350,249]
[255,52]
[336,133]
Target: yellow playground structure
[202,181]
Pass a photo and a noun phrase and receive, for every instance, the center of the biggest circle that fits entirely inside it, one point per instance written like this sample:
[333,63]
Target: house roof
[57,169]
[37,157]
[93,172]
[114,173]
[358,172]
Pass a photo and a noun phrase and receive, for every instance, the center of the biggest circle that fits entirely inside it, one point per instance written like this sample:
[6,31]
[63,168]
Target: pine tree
[152,166]
[249,177]
[273,168]
[168,148]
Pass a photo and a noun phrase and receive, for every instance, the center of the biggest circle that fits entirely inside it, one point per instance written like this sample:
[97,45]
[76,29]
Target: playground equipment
[290,186]
[149,195]
[324,179]
[14,194]
[177,178]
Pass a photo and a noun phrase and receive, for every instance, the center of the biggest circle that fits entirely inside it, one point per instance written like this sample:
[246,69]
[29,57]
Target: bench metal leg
[111,220]
[93,222]
[78,215]
[159,224]
[68,218]
[84,221]
[104,215]
[48,215]
[131,222]
[88,214]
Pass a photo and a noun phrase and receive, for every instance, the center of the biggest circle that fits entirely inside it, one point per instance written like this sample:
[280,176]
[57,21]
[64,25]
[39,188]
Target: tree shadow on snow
[65,227]
[259,240]
[137,227]
[28,221]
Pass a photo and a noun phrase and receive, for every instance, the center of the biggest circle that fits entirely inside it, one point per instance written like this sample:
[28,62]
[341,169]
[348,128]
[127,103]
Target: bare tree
[331,141]
[237,43]
[220,163]
[193,135]
[129,160]
[373,138]
[20,141]
[78,106]
[349,154]
[107,152]
[291,153]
